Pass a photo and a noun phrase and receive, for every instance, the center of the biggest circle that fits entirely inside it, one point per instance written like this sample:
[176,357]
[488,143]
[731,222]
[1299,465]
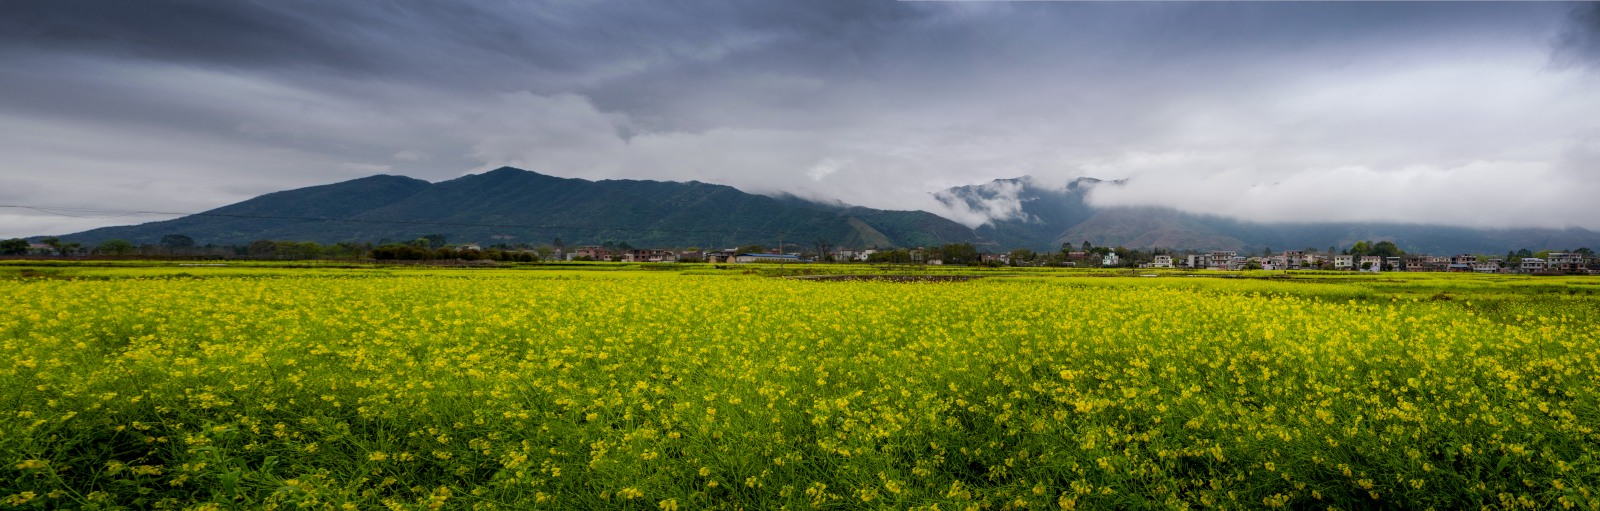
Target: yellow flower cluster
[515,389]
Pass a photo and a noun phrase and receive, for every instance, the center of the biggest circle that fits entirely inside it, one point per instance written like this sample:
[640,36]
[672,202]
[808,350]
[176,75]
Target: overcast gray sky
[1479,114]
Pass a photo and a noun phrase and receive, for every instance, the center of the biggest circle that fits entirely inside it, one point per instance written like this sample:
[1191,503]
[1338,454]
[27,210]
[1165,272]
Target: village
[1577,262]
[1363,257]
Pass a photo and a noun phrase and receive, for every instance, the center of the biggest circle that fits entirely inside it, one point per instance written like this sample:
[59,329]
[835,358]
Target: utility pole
[780,247]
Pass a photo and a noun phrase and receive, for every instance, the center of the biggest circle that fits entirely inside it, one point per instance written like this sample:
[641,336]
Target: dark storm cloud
[1579,43]
[456,42]
[231,34]
[872,102]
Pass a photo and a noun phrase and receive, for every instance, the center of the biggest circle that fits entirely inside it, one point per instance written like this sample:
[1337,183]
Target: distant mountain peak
[512,205]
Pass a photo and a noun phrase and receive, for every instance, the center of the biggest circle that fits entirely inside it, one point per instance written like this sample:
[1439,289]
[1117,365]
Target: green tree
[1361,248]
[115,247]
[396,251]
[176,241]
[435,240]
[751,249]
[298,250]
[349,249]
[14,246]
[1386,249]
[261,248]
[896,256]
[822,246]
[959,253]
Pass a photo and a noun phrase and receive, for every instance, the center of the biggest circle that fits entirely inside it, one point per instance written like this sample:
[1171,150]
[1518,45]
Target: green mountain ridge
[510,205]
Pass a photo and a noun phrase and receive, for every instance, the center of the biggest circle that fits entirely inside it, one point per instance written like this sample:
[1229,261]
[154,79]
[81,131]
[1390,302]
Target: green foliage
[896,256]
[1380,249]
[115,247]
[176,241]
[958,253]
[14,246]
[435,240]
[1386,249]
[1022,256]
[529,206]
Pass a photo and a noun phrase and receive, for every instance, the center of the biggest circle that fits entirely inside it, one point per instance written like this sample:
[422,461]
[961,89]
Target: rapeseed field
[497,389]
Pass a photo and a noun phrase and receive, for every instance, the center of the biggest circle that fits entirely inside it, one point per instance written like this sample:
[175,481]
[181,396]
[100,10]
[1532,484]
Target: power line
[57,212]
[53,210]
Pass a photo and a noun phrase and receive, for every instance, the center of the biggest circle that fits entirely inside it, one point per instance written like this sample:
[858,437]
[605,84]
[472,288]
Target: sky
[1476,114]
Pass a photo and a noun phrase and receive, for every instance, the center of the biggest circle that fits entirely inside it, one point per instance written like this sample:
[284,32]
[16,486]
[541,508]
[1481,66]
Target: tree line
[430,247]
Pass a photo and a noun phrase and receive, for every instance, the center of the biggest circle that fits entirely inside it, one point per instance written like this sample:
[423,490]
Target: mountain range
[510,205]
[1047,217]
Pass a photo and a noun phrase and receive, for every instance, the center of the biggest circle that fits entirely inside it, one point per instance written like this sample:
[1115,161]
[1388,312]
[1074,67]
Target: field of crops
[364,388]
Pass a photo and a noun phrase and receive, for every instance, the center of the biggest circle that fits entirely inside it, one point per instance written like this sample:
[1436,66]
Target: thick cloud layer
[1466,114]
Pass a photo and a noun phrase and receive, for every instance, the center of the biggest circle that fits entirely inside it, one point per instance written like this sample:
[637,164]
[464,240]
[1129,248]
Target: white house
[1344,262]
[1162,261]
[1111,259]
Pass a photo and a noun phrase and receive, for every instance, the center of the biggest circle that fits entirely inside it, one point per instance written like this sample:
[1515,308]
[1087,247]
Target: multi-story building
[1219,260]
[1311,261]
[1426,263]
[1344,262]
[595,252]
[1532,265]
[1564,261]
[1293,259]
[1278,262]
[649,255]
[1370,263]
